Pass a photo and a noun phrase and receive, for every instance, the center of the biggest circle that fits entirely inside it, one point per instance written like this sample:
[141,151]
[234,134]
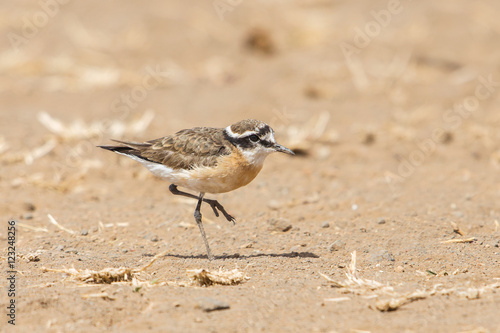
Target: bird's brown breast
[232,171]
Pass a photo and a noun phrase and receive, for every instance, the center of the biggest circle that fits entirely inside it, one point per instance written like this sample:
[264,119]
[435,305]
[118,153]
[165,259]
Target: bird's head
[255,139]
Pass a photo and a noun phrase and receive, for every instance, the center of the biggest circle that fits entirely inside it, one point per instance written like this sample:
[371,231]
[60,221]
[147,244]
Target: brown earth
[407,142]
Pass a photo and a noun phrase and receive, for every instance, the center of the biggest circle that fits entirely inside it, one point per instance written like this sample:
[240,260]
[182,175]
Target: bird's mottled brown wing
[186,149]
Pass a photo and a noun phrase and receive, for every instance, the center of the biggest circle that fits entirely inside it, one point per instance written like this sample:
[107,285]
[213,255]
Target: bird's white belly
[203,179]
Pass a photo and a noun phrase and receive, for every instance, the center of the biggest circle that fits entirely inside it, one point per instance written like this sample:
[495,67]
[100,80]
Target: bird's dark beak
[283,149]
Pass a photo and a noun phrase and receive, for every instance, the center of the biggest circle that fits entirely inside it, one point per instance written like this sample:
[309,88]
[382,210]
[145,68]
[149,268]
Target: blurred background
[406,75]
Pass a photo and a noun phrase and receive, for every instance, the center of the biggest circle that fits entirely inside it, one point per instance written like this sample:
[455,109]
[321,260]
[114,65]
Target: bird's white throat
[257,155]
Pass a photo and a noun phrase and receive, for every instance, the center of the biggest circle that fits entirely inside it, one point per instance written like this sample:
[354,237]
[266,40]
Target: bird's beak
[283,149]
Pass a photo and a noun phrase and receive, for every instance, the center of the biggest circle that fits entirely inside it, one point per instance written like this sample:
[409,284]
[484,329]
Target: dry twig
[456,229]
[459,240]
[54,222]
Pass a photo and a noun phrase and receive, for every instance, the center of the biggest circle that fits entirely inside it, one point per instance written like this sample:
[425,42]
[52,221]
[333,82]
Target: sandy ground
[393,106]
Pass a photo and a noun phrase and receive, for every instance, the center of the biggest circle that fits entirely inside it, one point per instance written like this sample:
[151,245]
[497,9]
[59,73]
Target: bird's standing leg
[213,203]
[197,217]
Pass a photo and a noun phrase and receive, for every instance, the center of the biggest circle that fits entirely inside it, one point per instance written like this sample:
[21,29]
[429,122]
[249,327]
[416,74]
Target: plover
[206,160]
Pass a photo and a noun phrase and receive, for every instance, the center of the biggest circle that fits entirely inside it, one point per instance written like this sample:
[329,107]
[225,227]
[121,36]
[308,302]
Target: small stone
[274,204]
[279,225]
[399,269]
[260,40]
[72,250]
[381,220]
[295,249]
[27,216]
[29,206]
[209,304]
[325,224]
[382,255]
[337,245]
[84,232]
[59,247]
[369,138]
[124,250]
[155,238]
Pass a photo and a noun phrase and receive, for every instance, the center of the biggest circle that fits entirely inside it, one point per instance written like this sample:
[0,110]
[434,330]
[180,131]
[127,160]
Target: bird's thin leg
[213,203]
[197,217]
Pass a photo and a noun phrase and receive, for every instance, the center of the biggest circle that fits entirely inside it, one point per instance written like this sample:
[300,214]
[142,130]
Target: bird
[206,160]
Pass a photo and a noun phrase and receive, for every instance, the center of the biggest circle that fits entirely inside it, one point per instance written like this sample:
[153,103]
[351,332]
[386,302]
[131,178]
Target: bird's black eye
[254,138]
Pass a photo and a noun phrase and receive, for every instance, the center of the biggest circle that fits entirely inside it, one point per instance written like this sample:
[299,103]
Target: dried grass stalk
[357,285]
[54,222]
[395,303]
[29,156]
[337,299]
[459,240]
[30,227]
[456,229]
[103,295]
[80,130]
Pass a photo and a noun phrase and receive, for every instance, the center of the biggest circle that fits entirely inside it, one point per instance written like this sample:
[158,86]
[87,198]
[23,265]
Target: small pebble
[295,249]
[399,269]
[325,224]
[155,238]
[72,250]
[337,245]
[381,220]
[274,204]
[84,232]
[209,304]
[27,216]
[59,247]
[29,206]
[382,255]
[279,225]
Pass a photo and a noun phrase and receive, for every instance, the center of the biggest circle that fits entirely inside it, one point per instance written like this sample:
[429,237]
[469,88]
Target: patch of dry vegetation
[205,277]
[130,276]
[393,300]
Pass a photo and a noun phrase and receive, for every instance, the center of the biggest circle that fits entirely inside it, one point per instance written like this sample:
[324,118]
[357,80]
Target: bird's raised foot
[216,207]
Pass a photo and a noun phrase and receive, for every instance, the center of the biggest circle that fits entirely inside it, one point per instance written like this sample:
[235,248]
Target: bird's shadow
[239,256]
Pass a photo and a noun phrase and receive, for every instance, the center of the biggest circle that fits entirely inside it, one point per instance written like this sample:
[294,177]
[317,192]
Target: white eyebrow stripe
[230,132]
[234,135]
[247,133]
